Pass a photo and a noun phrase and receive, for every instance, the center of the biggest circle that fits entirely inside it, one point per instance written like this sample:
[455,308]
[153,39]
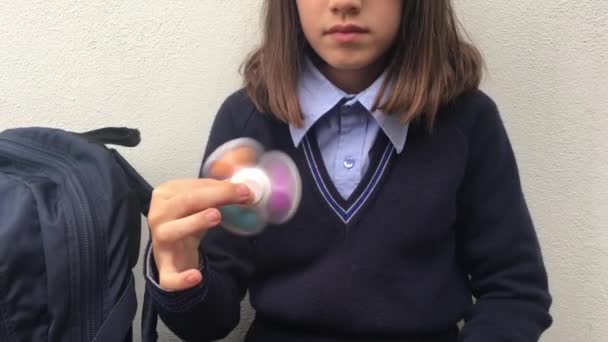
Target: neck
[353,81]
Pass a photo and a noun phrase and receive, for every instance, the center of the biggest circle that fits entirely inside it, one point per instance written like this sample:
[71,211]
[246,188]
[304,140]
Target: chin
[348,63]
[349,59]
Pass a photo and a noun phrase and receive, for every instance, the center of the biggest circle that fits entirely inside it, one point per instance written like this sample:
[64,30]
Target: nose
[346,7]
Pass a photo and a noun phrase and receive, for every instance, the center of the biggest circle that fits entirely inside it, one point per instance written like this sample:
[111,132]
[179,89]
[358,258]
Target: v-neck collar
[347,209]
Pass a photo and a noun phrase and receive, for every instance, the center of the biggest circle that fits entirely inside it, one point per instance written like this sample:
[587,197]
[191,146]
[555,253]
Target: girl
[412,204]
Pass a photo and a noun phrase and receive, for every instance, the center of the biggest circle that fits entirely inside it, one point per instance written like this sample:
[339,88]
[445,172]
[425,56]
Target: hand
[181,213]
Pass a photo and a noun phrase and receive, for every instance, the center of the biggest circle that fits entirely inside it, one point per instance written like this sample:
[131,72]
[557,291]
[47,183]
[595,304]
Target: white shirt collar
[317,95]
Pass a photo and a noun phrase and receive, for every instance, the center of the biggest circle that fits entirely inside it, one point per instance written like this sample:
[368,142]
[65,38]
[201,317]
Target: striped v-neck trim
[349,208]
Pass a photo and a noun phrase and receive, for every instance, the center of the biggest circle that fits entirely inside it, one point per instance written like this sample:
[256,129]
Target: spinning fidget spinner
[272,177]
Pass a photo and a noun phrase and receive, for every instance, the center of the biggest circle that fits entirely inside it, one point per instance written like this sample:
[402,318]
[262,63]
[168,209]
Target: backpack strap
[118,323]
[130,137]
[149,316]
[141,186]
[122,136]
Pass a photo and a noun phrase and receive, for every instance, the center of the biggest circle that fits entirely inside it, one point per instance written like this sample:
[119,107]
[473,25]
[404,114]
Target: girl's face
[350,34]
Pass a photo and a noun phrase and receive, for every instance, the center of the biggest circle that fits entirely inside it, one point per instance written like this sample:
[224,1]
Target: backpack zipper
[87,234]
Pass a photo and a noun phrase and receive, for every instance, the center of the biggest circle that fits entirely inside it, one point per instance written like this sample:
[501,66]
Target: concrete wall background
[165,66]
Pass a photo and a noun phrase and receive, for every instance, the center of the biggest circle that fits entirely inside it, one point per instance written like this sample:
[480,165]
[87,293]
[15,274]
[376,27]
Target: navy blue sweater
[437,234]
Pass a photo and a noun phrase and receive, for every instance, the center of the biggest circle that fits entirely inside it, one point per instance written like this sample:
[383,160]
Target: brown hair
[430,64]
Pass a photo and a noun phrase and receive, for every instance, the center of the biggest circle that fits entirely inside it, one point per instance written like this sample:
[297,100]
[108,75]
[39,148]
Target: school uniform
[398,228]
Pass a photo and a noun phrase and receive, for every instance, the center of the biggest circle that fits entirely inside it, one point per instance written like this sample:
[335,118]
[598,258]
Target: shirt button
[349,163]
[347,108]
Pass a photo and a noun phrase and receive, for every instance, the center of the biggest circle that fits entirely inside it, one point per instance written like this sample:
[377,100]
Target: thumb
[174,281]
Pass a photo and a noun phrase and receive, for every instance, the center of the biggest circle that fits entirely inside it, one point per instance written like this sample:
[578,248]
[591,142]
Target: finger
[214,195]
[174,281]
[174,186]
[187,226]
[169,189]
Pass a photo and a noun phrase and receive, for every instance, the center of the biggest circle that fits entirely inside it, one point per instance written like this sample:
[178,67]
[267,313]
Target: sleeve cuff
[173,301]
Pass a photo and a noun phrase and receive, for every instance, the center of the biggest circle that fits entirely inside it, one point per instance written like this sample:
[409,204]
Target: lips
[346,33]
[346,29]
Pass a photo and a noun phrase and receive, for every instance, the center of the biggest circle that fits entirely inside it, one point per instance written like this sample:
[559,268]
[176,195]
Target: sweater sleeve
[211,310]
[499,244]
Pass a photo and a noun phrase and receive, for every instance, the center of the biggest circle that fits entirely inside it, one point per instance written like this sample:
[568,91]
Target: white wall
[548,65]
[165,66]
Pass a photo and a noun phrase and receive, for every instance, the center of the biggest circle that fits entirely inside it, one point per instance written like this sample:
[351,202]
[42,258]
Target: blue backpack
[70,225]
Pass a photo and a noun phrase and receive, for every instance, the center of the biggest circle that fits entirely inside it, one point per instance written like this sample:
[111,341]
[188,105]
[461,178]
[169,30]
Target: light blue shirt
[346,133]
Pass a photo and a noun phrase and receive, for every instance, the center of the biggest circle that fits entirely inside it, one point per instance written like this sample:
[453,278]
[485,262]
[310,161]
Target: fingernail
[213,216]
[191,278]
[243,191]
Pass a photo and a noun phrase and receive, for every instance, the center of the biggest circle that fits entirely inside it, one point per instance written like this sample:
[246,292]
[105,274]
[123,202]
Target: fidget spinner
[272,177]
